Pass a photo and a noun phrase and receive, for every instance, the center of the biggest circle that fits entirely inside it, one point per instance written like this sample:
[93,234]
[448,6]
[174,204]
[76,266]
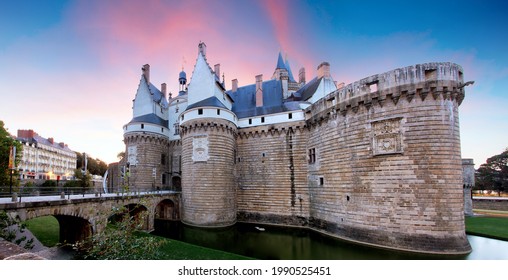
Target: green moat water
[284,243]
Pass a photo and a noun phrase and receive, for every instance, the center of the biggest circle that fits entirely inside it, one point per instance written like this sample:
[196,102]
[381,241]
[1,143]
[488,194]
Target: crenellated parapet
[144,137]
[438,80]
[208,124]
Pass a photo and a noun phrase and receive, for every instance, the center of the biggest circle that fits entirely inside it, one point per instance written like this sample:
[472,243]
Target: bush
[120,241]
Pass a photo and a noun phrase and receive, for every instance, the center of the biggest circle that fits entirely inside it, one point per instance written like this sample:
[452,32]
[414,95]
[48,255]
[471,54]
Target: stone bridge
[81,216]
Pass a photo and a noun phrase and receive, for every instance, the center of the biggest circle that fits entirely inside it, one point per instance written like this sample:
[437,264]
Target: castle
[376,162]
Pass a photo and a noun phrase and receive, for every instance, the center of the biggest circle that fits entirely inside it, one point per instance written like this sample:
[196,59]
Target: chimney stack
[216,68]
[163,89]
[23,133]
[234,86]
[301,76]
[202,48]
[146,72]
[259,90]
[51,140]
[323,70]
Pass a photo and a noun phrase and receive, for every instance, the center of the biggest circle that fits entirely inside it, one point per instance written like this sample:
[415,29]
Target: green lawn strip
[491,227]
[45,229]
[178,250]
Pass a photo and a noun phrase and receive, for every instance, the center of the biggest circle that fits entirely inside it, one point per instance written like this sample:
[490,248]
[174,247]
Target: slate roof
[306,92]
[41,140]
[150,118]
[245,100]
[157,95]
[209,102]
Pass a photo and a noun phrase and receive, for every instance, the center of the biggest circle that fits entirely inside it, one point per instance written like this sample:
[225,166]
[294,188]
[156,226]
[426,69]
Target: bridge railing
[17,193]
[23,191]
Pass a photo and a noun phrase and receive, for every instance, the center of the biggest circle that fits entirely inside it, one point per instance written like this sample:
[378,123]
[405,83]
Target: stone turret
[208,133]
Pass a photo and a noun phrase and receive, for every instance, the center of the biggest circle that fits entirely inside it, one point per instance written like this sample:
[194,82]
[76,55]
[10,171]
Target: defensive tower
[208,132]
[145,166]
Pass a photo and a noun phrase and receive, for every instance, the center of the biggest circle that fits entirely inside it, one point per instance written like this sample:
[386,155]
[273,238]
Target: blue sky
[70,69]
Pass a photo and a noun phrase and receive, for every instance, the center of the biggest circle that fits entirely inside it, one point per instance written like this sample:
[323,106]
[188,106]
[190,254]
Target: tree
[83,179]
[11,229]
[120,156]
[94,166]
[493,175]
[6,141]
[119,240]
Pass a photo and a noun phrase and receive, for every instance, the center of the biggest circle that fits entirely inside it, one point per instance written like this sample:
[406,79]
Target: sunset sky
[70,69]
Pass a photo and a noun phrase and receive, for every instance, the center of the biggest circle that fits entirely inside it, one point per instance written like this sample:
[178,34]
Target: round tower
[208,158]
[146,163]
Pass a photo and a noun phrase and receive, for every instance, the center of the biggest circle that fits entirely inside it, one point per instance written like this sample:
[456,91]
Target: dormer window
[200,111]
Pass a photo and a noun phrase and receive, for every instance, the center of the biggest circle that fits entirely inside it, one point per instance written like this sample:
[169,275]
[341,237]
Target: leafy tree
[493,175]
[6,141]
[84,179]
[94,166]
[120,242]
[120,156]
[9,228]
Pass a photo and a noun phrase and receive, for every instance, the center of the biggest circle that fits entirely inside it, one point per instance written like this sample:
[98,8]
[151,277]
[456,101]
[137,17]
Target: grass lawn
[46,229]
[177,250]
[492,227]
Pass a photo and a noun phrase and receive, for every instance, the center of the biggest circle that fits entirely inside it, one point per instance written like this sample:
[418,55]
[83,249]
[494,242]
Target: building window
[290,115]
[312,155]
[163,159]
[250,121]
[177,128]
[218,112]
[200,111]
[142,126]
[164,179]
[182,117]
[321,181]
[162,129]
[262,119]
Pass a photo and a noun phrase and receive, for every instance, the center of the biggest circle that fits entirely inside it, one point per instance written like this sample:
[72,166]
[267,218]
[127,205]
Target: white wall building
[44,158]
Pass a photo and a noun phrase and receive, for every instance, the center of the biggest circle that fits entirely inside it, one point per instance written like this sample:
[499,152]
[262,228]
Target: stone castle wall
[144,152]
[376,162]
[390,162]
[208,180]
[271,174]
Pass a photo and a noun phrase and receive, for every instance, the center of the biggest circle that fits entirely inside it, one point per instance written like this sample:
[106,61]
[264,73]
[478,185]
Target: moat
[273,242]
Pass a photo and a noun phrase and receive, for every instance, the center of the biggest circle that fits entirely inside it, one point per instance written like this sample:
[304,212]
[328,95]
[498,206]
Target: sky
[70,69]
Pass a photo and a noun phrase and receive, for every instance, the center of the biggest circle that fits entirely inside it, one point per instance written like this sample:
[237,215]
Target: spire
[280,62]
[291,79]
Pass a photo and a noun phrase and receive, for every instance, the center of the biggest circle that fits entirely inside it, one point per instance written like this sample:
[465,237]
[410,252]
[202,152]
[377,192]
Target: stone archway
[167,210]
[73,229]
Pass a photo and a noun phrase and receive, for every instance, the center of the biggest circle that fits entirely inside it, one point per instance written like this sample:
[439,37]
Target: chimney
[23,133]
[323,70]
[301,76]
[51,140]
[163,89]
[234,86]
[146,72]
[259,90]
[202,48]
[216,68]
[62,145]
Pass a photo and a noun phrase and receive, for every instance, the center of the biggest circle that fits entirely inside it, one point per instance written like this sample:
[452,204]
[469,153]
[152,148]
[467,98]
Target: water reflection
[292,244]
[487,248]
